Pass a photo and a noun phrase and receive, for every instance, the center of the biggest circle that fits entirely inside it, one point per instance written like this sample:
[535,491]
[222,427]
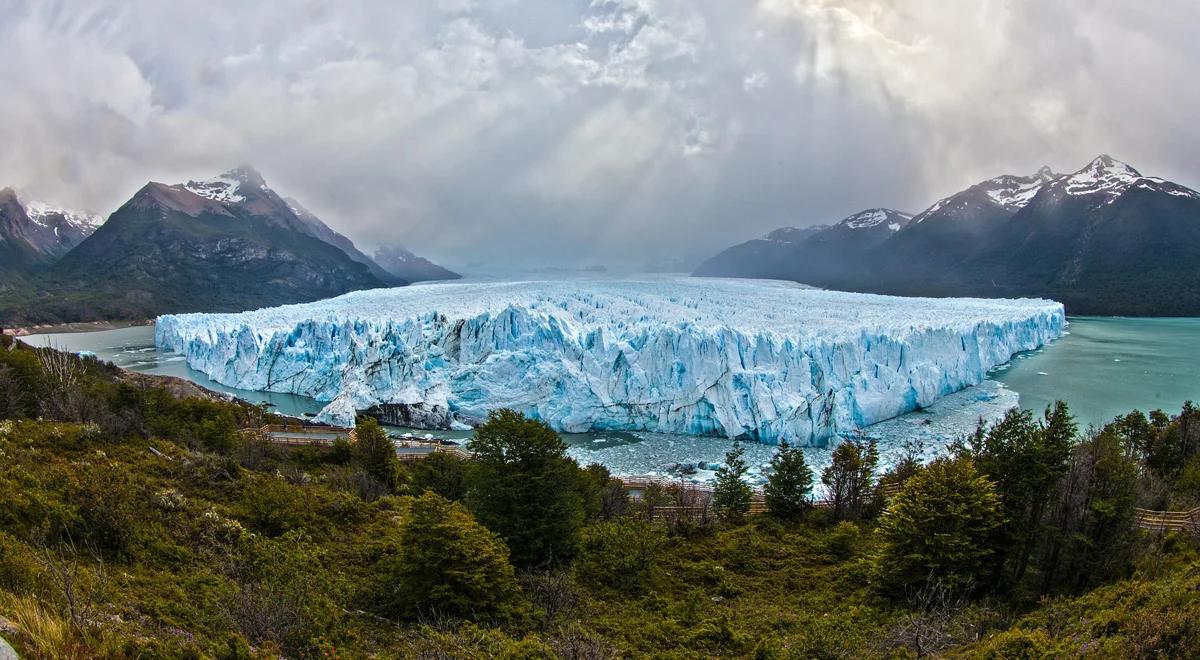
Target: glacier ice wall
[737,358]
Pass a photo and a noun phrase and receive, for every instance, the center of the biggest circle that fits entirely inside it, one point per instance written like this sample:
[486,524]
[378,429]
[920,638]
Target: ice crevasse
[738,358]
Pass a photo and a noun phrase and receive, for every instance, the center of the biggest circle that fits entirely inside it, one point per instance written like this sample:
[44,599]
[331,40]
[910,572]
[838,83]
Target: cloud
[533,132]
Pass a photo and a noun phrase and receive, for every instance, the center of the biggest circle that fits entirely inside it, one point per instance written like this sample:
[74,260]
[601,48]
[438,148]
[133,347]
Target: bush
[621,554]
[374,452]
[441,473]
[841,541]
[20,571]
[447,564]
[1018,644]
[938,529]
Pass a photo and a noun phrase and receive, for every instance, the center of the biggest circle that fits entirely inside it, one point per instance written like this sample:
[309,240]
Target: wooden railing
[1167,521]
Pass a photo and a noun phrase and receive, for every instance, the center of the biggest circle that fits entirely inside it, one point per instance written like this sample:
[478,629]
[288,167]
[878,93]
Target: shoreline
[71,328]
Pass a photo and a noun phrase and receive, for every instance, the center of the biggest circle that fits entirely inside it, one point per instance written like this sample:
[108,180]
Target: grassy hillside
[137,524]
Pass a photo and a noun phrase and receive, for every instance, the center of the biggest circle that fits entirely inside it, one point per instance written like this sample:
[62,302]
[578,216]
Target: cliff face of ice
[756,359]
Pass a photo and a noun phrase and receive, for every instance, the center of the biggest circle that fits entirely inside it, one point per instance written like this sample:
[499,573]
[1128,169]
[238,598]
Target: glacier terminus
[754,359]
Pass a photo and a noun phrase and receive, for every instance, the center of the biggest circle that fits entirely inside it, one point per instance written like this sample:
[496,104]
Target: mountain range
[1102,240]
[34,234]
[227,243]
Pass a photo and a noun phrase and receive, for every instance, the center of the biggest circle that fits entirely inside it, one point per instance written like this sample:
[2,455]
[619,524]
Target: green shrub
[446,564]
[938,529]
[621,554]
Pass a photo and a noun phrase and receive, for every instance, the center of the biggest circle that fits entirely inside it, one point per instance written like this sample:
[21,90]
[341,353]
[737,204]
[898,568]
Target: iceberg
[751,359]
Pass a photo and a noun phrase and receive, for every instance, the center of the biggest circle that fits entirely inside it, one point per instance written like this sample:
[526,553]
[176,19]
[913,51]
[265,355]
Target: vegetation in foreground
[137,524]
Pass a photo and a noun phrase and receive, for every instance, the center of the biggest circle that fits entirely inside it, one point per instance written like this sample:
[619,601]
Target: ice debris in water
[736,358]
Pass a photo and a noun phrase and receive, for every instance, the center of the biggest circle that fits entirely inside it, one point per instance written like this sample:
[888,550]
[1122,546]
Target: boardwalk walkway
[1167,521]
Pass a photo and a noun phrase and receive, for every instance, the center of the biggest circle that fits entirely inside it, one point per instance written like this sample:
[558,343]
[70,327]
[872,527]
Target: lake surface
[1108,366]
[1103,368]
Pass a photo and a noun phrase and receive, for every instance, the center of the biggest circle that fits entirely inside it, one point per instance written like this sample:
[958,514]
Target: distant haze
[617,132]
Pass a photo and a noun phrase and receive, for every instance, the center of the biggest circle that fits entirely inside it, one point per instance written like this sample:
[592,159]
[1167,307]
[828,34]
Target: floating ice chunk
[735,358]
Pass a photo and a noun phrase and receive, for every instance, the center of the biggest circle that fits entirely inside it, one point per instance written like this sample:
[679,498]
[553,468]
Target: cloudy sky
[611,131]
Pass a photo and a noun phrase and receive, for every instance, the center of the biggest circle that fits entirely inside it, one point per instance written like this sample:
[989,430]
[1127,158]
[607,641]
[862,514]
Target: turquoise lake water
[1108,366]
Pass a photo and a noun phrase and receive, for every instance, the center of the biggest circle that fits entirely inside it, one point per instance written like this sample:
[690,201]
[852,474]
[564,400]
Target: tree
[731,495]
[1026,459]
[441,473]
[789,488]
[446,564]
[938,528]
[604,496]
[849,477]
[525,488]
[1091,525]
[1173,442]
[374,451]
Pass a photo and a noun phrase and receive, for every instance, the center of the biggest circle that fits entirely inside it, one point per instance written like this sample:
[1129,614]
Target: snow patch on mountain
[875,217]
[735,358]
[41,214]
[223,188]
[1015,192]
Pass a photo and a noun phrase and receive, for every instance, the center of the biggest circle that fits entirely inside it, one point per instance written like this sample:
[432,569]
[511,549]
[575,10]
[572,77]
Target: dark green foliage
[374,452]
[524,488]
[441,473]
[1092,522]
[602,496]
[1026,459]
[20,570]
[938,528]
[20,382]
[621,554]
[789,488]
[446,564]
[731,494]
[850,476]
[1173,443]
[262,551]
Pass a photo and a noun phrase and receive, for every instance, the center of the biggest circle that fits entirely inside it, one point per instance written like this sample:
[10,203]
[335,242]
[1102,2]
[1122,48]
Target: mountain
[829,254]
[35,234]
[318,229]
[407,266]
[1103,240]
[926,256]
[226,243]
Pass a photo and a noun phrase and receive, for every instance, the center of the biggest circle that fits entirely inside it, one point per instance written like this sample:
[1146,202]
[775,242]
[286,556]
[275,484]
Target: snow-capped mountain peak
[1104,174]
[875,217]
[42,214]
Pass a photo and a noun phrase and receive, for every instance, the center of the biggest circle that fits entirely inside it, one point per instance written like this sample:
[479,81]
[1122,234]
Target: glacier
[752,359]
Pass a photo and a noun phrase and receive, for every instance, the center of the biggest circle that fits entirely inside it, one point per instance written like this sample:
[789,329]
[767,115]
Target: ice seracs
[736,358]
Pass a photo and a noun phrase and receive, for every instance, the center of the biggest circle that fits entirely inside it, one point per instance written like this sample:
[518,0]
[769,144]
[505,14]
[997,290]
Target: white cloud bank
[612,130]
